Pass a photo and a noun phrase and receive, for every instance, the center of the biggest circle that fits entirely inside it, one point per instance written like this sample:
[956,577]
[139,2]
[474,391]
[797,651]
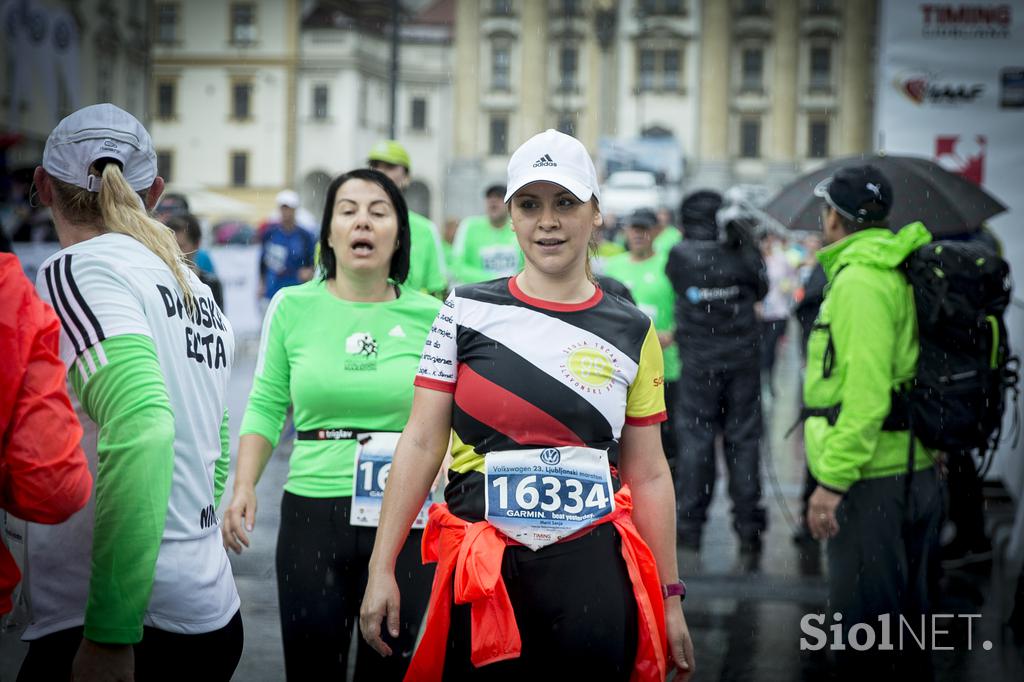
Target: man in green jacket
[485,247]
[426,262]
[863,350]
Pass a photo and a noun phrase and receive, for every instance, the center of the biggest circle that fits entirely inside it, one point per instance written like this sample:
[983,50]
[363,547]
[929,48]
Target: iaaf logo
[921,88]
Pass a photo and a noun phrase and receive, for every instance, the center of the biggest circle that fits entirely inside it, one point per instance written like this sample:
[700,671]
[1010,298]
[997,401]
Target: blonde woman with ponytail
[137,585]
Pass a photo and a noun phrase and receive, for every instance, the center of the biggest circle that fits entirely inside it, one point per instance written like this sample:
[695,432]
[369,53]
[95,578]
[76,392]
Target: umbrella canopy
[922,190]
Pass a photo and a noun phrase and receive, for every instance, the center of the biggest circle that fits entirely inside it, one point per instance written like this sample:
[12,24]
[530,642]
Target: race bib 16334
[540,496]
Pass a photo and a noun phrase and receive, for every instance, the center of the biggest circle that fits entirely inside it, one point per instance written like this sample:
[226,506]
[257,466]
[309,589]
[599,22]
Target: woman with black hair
[342,350]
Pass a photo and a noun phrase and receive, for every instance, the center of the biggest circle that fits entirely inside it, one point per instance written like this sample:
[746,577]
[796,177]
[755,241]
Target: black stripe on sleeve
[68,329]
[97,328]
[61,286]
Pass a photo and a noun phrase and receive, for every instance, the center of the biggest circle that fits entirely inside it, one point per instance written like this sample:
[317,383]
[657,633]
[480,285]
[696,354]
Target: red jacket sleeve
[44,476]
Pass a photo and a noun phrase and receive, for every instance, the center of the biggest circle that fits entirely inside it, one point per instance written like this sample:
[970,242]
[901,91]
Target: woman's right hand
[239,519]
[380,608]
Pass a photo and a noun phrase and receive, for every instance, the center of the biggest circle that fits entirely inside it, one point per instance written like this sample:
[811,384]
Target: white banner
[238,270]
[950,86]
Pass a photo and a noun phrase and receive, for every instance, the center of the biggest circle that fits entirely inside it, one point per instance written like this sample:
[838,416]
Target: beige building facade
[222,100]
[249,98]
[751,91]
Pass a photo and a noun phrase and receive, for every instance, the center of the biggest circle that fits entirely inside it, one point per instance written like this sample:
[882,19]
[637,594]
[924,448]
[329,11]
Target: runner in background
[485,246]
[189,234]
[642,270]
[426,262]
[148,355]
[342,350]
[44,476]
[550,391]
[286,256]
[665,234]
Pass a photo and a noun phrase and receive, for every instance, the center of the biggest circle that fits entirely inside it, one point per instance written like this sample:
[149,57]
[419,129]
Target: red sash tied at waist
[473,552]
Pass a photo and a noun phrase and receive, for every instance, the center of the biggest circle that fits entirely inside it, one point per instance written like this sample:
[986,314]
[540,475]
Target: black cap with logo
[642,217]
[861,193]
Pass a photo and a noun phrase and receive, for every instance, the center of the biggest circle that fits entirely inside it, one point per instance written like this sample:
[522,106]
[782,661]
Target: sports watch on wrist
[674,590]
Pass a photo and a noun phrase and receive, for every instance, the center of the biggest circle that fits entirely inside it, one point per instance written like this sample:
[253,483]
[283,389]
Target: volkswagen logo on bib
[551,456]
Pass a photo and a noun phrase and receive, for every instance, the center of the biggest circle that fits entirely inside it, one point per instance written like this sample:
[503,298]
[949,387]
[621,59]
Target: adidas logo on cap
[545,160]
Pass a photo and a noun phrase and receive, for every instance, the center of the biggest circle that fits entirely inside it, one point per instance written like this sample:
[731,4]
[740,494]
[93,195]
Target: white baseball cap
[100,131]
[288,197]
[555,157]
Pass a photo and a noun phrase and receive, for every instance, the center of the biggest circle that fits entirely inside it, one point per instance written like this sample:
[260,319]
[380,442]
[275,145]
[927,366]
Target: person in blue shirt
[286,257]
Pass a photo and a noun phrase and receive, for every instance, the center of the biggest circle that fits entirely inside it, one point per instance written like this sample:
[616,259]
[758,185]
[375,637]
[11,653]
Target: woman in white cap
[556,548]
[341,351]
[138,583]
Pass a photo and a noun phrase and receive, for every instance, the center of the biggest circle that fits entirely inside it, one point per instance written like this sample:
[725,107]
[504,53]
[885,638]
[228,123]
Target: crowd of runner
[563,397]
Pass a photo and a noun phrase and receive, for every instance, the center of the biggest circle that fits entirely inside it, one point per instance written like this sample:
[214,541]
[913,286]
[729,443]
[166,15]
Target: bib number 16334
[540,496]
[560,496]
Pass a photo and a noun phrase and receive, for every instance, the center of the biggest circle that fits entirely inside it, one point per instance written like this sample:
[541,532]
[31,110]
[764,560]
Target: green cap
[390,151]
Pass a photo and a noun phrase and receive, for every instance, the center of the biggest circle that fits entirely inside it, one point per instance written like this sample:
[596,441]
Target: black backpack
[965,369]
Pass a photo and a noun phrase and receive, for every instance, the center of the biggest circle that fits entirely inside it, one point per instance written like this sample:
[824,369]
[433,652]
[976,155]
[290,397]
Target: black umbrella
[922,190]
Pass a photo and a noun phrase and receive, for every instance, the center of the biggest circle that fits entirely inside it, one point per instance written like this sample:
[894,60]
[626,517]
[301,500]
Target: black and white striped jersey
[527,373]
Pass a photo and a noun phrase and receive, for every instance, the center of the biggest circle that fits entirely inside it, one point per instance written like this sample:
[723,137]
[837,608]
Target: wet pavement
[745,628]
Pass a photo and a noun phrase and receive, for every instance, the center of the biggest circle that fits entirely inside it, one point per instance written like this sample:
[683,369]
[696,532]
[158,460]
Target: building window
[320,97]
[499,136]
[750,138]
[645,78]
[753,7]
[567,69]
[239,169]
[501,8]
[501,67]
[166,23]
[243,23]
[649,7]
[241,100]
[821,69]
[418,115]
[165,164]
[817,139]
[567,8]
[659,70]
[822,7]
[670,73]
[752,77]
[166,99]
[567,122]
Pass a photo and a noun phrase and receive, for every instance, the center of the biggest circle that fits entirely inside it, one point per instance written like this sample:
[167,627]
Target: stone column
[856,91]
[467,78]
[461,183]
[594,84]
[715,41]
[782,156]
[532,87]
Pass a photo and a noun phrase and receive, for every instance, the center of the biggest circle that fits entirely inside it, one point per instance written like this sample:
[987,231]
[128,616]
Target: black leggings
[321,576]
[575,610]
[161,655]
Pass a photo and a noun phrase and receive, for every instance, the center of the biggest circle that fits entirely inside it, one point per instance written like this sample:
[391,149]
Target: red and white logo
[926,88]
[963,155]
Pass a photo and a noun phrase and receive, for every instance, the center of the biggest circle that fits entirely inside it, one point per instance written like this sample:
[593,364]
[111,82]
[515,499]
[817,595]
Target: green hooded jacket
[863,347]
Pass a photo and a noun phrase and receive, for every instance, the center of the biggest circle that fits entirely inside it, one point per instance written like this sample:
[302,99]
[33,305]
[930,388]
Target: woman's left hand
[680,647]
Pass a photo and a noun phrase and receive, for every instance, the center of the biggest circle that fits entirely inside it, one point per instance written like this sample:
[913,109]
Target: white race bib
[537,497]
[500,260]
[372,464]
